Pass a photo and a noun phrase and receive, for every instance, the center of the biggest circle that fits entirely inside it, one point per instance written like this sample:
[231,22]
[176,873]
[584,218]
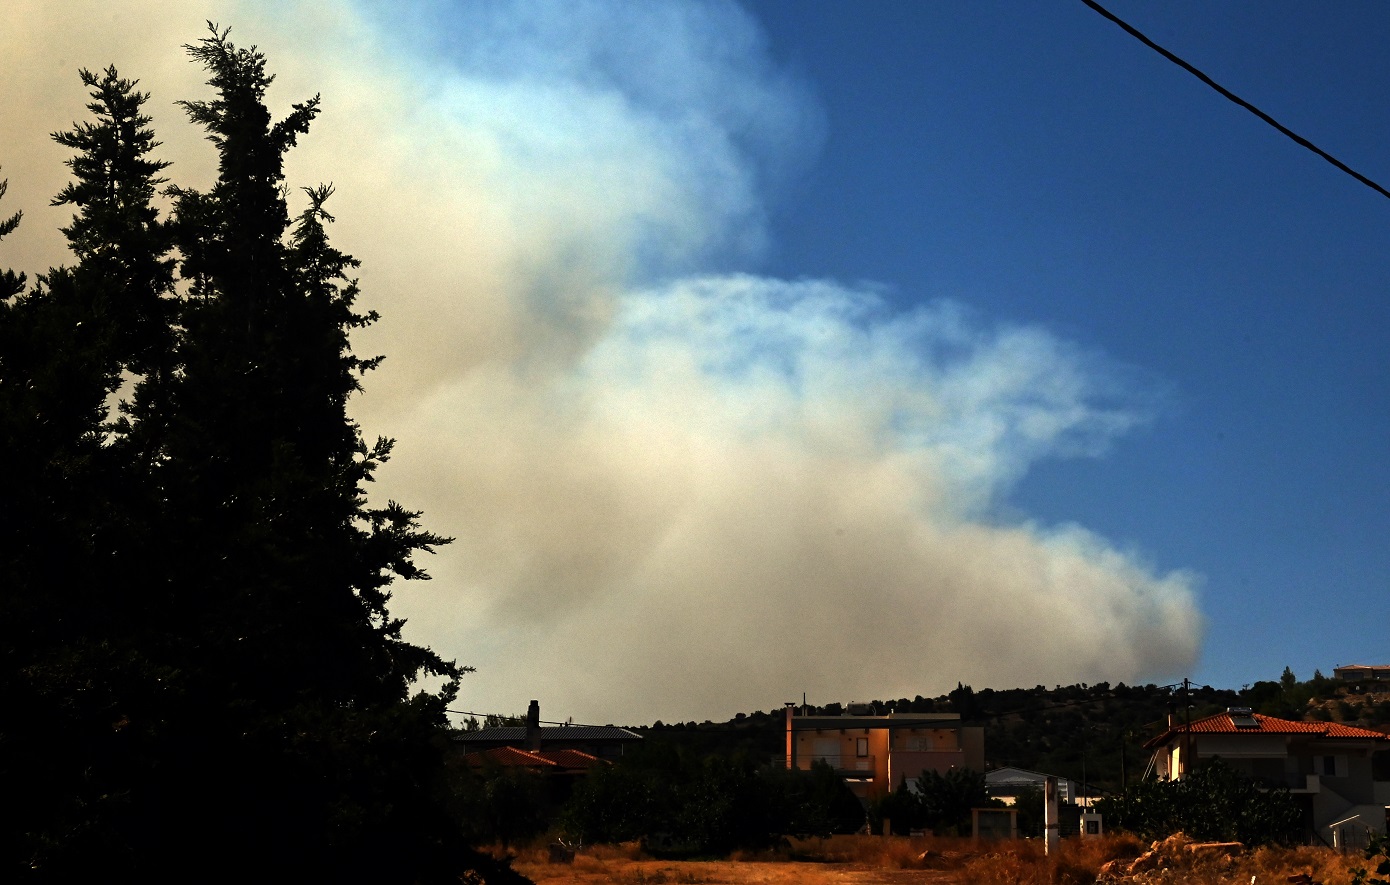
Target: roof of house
[1226,723]
[1010,775]
[890,721]
[547,760]
[516,734]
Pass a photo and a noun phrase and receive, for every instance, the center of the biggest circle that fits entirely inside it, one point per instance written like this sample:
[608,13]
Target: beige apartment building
[875,753]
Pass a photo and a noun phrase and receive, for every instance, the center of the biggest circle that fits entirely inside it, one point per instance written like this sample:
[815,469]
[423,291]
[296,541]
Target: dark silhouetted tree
[201,676]
[963,701]
[947,798]
[901,808]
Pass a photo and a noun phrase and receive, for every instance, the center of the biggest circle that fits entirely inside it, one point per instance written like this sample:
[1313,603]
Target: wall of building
[910,764]
[972,743]
[876,753]
[1229,746]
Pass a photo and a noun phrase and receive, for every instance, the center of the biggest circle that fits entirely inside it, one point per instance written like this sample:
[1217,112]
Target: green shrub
[1379,852]
[1214,803]
[707,804]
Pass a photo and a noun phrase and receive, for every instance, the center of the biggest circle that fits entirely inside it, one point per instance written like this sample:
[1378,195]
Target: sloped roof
[570,758]
[1011,775]
[1375,671]
[1222,723]
[548,760]
[509,757]
[516,734]
[892,721]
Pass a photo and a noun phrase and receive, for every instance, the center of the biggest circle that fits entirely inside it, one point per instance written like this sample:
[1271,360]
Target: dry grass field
[869,860]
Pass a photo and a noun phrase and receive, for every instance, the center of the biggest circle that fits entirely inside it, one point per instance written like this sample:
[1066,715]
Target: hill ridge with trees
[1092,733]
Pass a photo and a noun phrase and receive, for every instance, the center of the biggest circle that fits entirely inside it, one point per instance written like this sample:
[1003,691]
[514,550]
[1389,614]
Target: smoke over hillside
[678,490]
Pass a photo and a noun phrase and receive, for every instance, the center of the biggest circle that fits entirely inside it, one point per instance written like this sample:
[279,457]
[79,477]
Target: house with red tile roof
[1362,672]
[1326,766]
[544,762]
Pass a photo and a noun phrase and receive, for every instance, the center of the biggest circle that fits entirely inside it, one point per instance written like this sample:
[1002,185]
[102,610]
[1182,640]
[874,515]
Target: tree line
[1092,733]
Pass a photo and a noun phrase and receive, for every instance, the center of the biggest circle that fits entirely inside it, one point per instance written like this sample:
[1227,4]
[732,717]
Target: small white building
[1005,784]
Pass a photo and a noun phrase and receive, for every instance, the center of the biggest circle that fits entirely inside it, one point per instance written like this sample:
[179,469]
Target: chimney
[1172,716]
[533,726]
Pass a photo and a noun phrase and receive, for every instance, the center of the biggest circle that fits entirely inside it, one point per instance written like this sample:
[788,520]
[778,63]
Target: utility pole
[1186,728]
[1051,824]
[1124,767]
[1085,786]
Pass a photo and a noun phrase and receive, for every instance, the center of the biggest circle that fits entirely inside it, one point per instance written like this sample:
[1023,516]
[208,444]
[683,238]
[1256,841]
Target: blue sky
[1040,165]
[757,348]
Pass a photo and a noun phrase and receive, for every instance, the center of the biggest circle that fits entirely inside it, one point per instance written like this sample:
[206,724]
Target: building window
[861,747]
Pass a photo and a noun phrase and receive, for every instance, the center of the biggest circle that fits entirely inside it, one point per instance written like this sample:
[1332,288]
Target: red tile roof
[548,760]
[509,757]
[1221,723]
[570,758]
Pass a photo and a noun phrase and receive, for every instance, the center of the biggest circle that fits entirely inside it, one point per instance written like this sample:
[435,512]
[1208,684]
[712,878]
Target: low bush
[1377,871]
[940,803]
[1214,803]
[683,804]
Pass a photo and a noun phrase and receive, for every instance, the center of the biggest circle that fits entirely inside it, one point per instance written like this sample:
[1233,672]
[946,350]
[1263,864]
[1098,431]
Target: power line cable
[522,719]
[1298,139]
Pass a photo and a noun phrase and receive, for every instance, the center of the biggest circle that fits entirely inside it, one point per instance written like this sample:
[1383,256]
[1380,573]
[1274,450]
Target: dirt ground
[724,872]
[850,860]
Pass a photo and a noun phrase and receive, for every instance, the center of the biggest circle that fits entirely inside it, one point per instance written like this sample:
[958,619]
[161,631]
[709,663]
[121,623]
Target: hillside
[1091,733]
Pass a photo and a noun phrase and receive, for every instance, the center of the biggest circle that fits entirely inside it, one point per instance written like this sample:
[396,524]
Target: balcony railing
[1298,783]
[843,763]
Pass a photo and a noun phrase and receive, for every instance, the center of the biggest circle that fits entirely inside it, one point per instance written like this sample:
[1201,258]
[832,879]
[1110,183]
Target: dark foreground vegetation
[199,676]
[1213,804]
[679,804]
[673,801]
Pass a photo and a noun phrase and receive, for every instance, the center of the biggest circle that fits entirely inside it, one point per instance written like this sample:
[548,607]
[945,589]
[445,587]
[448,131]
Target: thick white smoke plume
[678,491]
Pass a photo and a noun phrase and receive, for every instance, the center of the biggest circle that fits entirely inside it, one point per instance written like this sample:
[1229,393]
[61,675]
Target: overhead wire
[522,719]
[1191,69]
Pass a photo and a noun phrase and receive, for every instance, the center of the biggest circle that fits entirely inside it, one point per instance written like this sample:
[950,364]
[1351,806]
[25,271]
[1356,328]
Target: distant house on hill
[875,753]
[1362,672]
[1326,766]
[601,741]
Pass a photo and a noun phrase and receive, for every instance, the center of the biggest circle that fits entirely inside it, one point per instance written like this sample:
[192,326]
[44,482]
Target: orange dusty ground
[867,860]
[651,872]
